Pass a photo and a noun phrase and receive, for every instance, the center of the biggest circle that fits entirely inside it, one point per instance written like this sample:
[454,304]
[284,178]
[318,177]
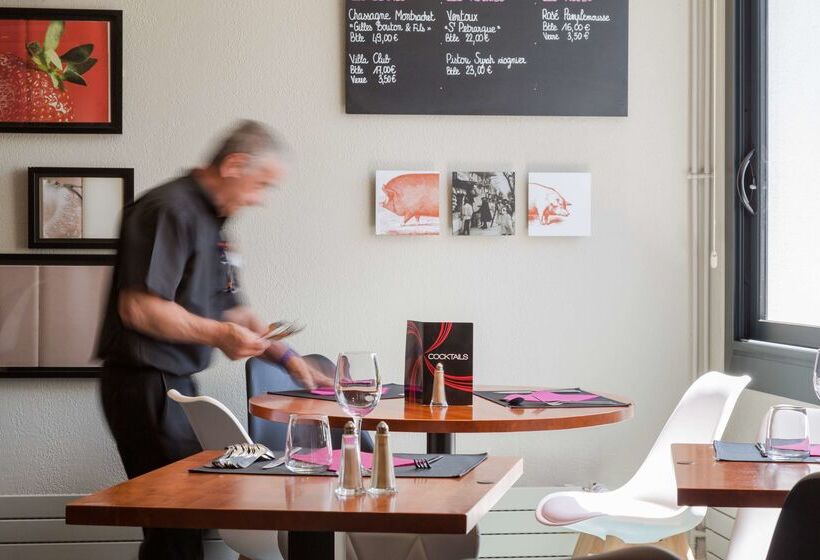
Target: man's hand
[237,342]
[303,373]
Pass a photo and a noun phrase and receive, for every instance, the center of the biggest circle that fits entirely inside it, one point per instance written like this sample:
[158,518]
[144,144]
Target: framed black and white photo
[483,203]
[77,207]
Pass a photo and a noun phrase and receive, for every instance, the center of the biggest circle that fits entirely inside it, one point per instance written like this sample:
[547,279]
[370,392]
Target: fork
[282,329]
[425,463]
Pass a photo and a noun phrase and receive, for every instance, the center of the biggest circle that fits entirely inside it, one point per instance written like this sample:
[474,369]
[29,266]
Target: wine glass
[817,374]
[358,385]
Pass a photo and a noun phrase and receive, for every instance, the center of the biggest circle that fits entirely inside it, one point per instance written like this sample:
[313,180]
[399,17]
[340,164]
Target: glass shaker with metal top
[350,467]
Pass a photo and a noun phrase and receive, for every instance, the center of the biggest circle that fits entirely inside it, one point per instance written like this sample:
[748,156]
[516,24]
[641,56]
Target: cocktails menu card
[449,344]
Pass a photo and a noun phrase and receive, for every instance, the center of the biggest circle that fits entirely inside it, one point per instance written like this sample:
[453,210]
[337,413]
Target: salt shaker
[439,396]
[350,468]
[383,477]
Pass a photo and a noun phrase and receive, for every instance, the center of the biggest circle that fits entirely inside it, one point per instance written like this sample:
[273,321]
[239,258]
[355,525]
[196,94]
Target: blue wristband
[285,358]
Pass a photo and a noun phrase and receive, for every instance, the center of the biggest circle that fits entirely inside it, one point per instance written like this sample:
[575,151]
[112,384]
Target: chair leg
[586,545]
[676,544]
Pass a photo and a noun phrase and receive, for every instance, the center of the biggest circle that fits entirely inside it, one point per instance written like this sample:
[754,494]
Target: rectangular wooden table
[304,505]
[704,481]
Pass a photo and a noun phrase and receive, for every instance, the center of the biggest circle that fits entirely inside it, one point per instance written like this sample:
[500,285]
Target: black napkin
[498,398]
[394,391]
[449,466]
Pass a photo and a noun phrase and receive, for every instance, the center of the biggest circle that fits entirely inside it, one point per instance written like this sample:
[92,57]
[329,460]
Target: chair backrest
[796,536]
[262,376]
[214,425]
[700,417]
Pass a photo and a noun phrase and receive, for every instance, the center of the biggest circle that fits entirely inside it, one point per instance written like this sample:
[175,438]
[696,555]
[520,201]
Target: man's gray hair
[248,137]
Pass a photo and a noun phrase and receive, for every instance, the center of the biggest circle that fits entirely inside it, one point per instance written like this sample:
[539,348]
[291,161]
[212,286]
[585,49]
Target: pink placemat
[814,449]
[550,396]
[367,460]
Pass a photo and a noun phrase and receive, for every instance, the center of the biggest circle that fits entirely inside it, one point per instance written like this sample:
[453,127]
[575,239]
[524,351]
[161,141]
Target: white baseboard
[34,528]
[510,529]
[719,523]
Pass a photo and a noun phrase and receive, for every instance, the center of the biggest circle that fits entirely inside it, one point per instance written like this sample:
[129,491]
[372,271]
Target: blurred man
[174,299]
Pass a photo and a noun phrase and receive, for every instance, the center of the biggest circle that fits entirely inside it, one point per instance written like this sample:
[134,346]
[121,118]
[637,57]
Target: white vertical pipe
[716,20]
[703,69]
[693,191]
[704,184]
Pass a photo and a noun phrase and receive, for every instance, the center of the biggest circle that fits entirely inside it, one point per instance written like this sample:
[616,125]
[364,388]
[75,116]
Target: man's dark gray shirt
[171,246]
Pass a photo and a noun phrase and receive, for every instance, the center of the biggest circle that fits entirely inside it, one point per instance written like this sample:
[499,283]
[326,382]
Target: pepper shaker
[439,397]
[350,467]
[383,478]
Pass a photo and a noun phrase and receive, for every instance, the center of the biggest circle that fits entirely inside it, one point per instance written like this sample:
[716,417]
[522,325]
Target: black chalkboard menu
[487,57]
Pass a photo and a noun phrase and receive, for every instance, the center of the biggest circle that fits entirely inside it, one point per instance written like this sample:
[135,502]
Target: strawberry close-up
[33,90]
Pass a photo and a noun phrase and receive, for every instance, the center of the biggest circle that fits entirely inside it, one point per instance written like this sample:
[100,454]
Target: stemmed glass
[358,385]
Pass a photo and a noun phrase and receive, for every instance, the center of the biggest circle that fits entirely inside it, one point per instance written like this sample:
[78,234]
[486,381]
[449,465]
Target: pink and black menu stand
[429,344]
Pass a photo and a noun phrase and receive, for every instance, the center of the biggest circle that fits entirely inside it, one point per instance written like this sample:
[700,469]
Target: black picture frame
[114,19]
[35,174]
[28,259]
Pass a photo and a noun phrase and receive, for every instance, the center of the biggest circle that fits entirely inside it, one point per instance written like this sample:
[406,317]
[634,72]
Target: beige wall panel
[18,316]
[71,305]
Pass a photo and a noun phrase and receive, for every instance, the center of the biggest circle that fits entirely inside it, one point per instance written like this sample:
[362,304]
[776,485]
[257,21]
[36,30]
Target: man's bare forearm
[243,315]
[166,320]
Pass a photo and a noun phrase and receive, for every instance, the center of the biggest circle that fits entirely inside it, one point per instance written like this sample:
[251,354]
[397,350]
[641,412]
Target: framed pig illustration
[559,204]
[407,203]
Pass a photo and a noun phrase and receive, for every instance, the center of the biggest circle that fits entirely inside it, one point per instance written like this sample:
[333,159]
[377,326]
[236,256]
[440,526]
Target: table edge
[719,497]
[601,417]
[79,513]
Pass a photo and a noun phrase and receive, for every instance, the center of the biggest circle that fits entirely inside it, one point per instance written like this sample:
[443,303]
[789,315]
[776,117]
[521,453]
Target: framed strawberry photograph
[60,70]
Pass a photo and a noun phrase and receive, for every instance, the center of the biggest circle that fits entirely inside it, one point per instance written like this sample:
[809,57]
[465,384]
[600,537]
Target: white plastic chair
[645,509]
[754,527]
[216,428]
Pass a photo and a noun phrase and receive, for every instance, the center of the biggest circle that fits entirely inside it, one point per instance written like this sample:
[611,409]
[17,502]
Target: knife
[275,463]
[281,460]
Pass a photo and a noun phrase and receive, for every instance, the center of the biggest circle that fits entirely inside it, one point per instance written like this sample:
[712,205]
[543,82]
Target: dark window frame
[750,132]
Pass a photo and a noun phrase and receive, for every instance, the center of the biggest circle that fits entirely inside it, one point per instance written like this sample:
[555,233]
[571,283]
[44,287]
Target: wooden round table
[441,424]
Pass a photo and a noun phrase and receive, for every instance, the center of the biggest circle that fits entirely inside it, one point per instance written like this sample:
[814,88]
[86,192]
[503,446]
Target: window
[777,156]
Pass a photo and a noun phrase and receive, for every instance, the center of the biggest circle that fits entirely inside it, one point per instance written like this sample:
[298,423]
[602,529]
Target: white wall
[608,312]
